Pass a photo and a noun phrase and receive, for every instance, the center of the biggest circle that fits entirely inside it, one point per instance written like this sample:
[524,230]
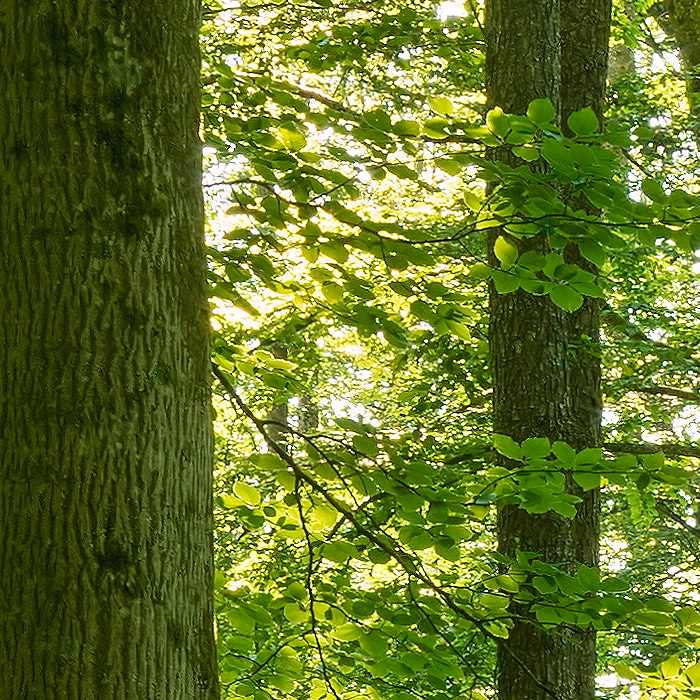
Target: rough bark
[545,369]
[105,440]
[523,54]
[684,16]
[585,29]
[585,35]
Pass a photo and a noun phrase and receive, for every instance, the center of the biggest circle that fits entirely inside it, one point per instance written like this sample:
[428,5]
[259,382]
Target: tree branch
[667,391]
[671,449]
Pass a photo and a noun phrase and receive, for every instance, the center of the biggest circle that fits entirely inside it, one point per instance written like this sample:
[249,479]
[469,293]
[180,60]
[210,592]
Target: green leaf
[291,139]
[589,457]
[401,171]
[325,515]
[541,111]
[558,155]
[564,452]
[247,493]
[506,446]
[670,667]
[498,122]
[449,165]
[505,283]
[332,291]
[586,480]
[614,585]
[378,119]
[544,584]
[366,445]
[435,128]
[282,682]
[296,590]
[693,675]
[240,620]
[584,122]
[564,509]
[565,297]
[219,580]
[294,613]
[362,609]
[228,500]
[347,632]
[268,461]
[528,153]
[334,250]
[653,190]
[459,329]
[536,447]
[653,461]
[625,671]
[414,661]
[653,619]
[338,551]
[480,271]
[441,105]
[506,252]
[589,289]
[547,614]
[494,602]
[592,251]
[451,552]
[374,644]
[406,127]
[589,576]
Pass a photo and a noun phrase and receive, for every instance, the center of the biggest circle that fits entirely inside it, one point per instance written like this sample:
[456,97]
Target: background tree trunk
[105,457]
[684,16]
[540,390]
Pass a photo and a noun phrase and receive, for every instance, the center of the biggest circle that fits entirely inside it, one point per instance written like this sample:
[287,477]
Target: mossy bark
[105,438]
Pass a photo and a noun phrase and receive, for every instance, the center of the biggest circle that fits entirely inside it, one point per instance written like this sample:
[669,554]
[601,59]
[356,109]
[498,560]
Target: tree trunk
[277,418]
[540,390]
[684,16]
[585,27]
[105,457]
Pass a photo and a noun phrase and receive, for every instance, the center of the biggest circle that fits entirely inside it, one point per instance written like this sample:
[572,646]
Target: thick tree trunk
[105,443]
[541,389]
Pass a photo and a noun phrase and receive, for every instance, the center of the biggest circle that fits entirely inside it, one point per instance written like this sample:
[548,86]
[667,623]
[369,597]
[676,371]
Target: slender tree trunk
[684,16]
[277,418]
[105,441]
[540,389]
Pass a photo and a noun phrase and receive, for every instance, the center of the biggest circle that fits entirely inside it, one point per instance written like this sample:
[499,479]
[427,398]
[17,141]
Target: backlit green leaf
[541,111]
[584,122]
[506,252]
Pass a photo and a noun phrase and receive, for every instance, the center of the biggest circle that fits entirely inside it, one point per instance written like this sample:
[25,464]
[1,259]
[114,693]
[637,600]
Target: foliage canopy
[348,164]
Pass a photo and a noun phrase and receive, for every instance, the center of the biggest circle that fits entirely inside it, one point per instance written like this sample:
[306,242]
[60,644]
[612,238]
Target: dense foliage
[356,481]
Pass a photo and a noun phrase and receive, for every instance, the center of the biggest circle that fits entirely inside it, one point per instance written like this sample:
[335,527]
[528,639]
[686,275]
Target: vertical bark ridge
[585,50]
[540,389]
[105,445]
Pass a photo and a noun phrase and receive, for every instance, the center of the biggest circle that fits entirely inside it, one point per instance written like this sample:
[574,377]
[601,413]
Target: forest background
[452,275]
[351,191]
